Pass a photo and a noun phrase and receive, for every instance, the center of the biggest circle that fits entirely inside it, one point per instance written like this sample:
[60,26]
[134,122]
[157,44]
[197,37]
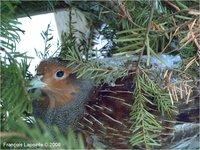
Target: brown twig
[174,28]
[172,5]
[125,14]
[163,18]
[12,134]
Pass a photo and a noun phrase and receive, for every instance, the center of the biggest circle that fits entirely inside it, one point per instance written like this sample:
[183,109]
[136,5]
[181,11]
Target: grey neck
[68,115]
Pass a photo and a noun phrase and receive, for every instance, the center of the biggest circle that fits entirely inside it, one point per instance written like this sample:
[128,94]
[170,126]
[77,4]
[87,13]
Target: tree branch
[146,36]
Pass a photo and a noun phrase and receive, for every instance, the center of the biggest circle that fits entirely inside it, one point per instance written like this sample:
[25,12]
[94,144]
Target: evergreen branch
[146,123]
[125,13]
[14,96]
[11,60]
[132,39]
[177,27]
[92,69]
[162,98]
[17,93]
[146,35]
[86,67]
[41,136]
[146,127]
[160,19]
[8,28]
[47,37]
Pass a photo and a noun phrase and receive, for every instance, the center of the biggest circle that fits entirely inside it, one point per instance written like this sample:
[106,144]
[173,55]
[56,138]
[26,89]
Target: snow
[117,62]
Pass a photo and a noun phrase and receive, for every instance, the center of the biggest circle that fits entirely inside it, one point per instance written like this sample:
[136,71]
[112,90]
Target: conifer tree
[132,28]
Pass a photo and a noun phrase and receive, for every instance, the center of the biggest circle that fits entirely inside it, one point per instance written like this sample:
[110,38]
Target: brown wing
[107,114]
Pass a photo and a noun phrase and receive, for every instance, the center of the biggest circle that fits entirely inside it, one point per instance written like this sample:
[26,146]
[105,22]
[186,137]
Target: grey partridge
[100,113]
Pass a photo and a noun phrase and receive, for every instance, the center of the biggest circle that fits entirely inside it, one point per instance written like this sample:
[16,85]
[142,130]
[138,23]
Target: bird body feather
[101,113]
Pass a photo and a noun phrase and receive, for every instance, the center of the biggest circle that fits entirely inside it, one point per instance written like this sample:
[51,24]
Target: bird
[68,101]
[100,112]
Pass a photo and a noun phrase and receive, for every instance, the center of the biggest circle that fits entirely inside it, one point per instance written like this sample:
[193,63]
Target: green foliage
[81,62]
[129,15]
[14,97]
[14,94]
[140,37]
[9,25]
[131,27]
[147,125]
[92,69]
[38,135]
[47,37]
[133,38]
[18,128]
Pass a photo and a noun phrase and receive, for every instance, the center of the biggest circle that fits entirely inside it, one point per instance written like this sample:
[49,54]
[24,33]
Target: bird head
[61,95]
[56,82]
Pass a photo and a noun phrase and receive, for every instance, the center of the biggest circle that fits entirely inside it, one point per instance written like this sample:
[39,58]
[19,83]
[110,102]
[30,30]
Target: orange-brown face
[53,74]
[54,81]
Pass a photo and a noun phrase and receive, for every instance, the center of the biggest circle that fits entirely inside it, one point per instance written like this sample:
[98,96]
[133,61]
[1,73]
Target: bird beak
[37,83]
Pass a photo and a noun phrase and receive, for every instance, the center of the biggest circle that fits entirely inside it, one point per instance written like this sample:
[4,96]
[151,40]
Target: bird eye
[60,74]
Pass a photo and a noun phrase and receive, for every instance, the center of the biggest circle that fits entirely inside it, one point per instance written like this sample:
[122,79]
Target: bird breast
[64,114]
